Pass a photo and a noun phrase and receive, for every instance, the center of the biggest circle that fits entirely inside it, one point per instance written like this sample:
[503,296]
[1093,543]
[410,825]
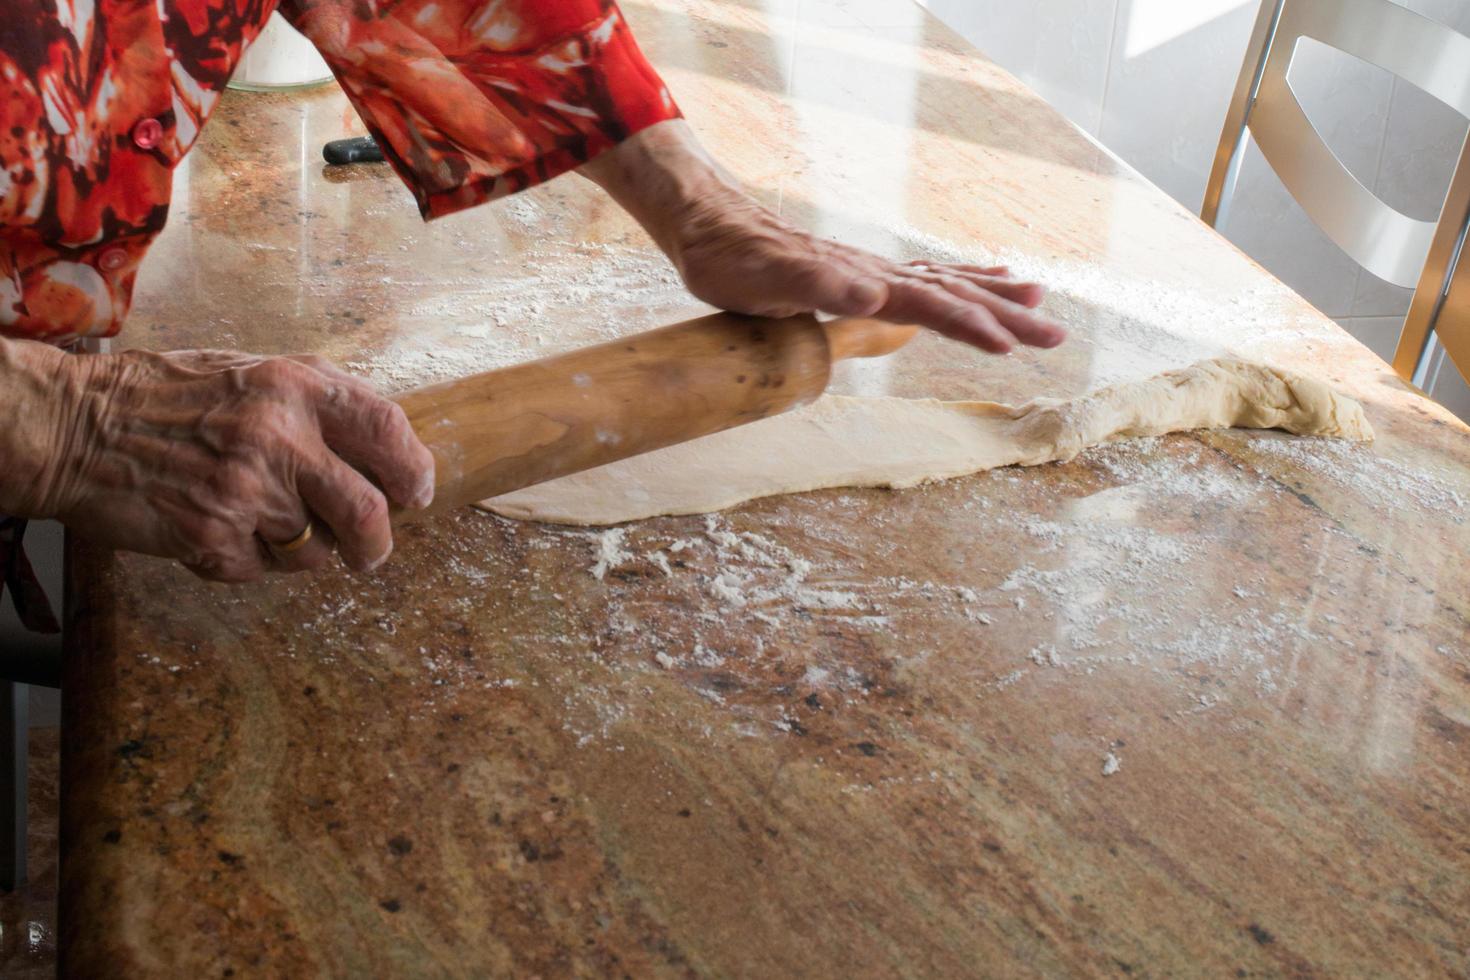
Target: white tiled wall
[1152,79]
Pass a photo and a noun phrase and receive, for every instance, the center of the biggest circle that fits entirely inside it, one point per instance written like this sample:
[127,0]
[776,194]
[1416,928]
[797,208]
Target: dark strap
[17,575]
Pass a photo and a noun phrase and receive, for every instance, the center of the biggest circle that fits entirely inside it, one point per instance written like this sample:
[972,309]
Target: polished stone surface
[1195,706]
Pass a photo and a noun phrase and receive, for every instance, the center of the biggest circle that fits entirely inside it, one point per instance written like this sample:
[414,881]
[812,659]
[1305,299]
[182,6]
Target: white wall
[1152,79]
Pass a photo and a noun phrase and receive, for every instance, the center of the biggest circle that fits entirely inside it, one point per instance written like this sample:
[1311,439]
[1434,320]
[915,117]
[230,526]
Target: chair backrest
[1441,304]
[1383,240]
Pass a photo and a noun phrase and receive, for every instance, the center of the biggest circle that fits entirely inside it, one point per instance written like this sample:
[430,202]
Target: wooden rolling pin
[503,430]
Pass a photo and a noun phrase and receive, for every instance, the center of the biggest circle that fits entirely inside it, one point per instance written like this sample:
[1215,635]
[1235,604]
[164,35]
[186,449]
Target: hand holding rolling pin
[216,459]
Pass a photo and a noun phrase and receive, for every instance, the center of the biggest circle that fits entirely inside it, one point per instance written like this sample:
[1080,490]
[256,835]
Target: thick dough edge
[841,441]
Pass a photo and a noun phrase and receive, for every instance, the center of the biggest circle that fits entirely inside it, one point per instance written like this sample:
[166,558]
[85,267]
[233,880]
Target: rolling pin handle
[356,149]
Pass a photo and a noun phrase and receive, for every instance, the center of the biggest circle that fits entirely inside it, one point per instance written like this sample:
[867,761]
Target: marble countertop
[1195,705]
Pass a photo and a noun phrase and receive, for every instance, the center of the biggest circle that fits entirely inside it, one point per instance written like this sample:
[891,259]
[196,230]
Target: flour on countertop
[752,571]
[1385,483]
[1090,562]
[1135,327]
[1110,581]
[610,552]
[585,290]
[1103,589]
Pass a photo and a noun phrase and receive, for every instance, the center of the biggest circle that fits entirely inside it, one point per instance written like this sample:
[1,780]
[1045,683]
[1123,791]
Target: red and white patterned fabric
[100,99]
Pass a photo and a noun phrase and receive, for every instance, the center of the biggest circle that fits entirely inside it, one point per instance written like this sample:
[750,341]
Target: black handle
[358,149]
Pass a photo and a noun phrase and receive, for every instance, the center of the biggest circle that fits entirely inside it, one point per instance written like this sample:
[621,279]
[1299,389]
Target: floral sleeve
[474,99]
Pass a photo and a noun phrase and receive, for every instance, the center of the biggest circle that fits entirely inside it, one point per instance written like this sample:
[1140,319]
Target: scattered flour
[752,571]
[606,291]
[1137,327]
[1107,588]
[610,552]
[1383,482]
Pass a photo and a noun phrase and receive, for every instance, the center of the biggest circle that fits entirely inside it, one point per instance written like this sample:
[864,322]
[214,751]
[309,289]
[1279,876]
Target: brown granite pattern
[850,733]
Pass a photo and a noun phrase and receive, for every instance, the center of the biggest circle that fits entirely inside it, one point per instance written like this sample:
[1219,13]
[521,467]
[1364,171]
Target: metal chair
[1423,255]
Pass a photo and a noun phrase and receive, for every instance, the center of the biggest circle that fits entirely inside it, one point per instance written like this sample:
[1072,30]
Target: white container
[280,58]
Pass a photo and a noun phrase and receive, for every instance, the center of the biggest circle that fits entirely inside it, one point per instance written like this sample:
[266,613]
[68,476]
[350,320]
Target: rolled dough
[898,442]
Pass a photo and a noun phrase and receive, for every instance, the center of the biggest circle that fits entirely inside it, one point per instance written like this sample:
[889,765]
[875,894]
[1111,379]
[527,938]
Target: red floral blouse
[100,100]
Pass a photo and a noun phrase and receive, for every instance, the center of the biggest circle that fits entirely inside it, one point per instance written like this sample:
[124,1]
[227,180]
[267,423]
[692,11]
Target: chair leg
[1426,366]
[1233,138]
[14,742]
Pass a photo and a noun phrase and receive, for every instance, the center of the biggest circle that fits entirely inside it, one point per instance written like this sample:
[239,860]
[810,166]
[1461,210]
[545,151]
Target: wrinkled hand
[208,456]
[736,254]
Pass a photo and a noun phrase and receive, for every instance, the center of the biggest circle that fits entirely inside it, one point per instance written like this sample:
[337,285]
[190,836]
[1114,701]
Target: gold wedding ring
[296,543]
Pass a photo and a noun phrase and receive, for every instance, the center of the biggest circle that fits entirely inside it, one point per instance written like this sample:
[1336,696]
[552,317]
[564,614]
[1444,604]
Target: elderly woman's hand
[737,254]
[210,457]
